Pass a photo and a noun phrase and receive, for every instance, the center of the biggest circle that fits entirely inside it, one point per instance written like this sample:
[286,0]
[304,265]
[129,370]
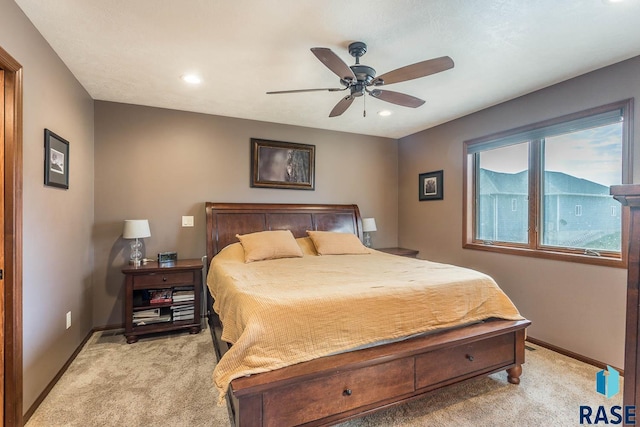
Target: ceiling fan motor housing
[363,73]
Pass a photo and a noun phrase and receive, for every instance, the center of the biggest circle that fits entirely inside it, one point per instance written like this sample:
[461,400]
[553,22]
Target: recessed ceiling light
[191,79]
[384,113]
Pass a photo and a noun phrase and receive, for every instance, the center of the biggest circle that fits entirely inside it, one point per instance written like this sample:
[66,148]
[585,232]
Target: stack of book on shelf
[182,312]
[183,295]
[160,296]
[149,316]
[183,303]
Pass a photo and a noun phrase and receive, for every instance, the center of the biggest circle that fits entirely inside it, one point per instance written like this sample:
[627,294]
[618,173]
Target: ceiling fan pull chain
[364,102]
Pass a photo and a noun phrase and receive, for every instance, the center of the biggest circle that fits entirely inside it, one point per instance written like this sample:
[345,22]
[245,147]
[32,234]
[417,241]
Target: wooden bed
[336,388]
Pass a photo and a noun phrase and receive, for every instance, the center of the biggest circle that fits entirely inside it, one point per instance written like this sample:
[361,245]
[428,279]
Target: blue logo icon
[608,382]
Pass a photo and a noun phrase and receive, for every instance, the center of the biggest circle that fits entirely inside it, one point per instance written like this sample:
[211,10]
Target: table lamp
[136,229]
[368,225]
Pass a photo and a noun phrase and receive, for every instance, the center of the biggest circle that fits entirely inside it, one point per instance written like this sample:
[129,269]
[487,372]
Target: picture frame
[56,160]
[278,164]
[431,186]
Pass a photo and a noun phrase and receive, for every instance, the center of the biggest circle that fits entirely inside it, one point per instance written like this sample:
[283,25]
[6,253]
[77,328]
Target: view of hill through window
[576,172]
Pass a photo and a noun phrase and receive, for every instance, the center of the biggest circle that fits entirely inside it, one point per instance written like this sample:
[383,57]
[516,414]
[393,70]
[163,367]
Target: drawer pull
[164,278]
[347,392]
[470,357]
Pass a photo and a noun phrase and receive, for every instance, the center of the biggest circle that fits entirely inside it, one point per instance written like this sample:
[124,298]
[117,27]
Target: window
[560,172]
[496,220]
[578,210]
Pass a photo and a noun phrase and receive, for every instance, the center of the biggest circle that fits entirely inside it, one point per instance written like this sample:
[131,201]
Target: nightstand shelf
[409,253]
[143,282]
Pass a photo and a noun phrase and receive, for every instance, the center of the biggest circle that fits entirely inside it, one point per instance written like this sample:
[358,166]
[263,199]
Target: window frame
[535,247]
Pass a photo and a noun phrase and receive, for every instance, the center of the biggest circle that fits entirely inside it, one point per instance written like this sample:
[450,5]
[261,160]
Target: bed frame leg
[513,374]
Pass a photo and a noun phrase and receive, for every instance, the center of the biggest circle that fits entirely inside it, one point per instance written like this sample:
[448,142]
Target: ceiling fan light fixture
[191,79]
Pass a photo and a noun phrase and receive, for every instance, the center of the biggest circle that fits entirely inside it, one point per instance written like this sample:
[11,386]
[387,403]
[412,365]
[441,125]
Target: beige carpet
[166,381]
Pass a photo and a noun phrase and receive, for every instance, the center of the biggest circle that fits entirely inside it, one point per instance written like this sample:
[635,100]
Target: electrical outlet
[187,221]
[68,319]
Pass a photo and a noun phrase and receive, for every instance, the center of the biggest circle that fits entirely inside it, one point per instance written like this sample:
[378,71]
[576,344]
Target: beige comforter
[285,311]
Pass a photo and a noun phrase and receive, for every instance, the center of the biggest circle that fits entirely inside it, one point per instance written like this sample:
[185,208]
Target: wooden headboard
[225,220]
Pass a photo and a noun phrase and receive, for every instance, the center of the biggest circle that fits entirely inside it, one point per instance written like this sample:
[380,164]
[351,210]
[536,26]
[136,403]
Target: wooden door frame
[13,240]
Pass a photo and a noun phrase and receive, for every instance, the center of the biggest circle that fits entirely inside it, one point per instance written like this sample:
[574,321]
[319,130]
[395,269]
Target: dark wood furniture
[409,253]
[186,273]
[336,388]
[629,195]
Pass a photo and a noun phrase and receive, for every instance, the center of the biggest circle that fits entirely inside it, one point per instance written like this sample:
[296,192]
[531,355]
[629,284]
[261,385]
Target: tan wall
[161,164]
[58,223]
[574,306]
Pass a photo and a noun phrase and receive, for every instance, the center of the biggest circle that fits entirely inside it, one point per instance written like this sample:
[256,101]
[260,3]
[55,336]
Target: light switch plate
[187,221]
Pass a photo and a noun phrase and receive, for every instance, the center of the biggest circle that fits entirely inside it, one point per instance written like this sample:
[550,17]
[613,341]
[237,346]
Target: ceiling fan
[359,78]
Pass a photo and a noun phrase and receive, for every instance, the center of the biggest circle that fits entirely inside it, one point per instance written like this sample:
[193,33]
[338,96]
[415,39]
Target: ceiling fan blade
[341,106]
[330,89]
[415,71]
[333,62]
[397,98]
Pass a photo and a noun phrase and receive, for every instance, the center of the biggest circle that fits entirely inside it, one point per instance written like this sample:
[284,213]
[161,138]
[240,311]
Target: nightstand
[409,253]
[161,298]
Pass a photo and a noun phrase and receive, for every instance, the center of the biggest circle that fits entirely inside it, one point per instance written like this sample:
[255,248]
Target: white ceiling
[134,51]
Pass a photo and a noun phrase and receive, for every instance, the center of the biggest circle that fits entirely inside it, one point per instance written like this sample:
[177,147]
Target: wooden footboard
[336,388]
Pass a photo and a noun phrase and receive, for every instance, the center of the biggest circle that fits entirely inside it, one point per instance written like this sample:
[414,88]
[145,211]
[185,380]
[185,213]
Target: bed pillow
[265,245]
[332,243]
[306,244]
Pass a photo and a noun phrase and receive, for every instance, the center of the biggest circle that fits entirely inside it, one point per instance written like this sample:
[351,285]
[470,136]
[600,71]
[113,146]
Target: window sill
[548,254]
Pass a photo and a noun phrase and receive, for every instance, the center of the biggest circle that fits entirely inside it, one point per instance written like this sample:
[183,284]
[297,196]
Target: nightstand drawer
[164,279]
[315,399]
[465,359]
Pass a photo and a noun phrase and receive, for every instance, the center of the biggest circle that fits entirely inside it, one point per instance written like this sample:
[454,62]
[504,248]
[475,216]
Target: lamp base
[136,254]
[367,239]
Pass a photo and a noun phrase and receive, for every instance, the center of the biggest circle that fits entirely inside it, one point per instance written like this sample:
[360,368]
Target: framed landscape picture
[56,160]
[276,164]
[430,186]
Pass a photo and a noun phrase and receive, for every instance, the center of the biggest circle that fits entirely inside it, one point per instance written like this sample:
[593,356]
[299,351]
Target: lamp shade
[369,224]
[136,228]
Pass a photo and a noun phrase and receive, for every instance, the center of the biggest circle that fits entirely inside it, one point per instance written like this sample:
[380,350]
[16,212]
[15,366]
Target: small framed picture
[276,164]
[56,160]
[430,186]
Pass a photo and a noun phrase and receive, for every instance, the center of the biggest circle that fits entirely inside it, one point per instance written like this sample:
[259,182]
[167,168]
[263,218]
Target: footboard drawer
[449,363]
[311,400]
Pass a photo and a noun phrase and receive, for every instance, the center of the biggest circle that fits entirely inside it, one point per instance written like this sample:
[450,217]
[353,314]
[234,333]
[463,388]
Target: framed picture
[430,186]
[56,160]
[276,164]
